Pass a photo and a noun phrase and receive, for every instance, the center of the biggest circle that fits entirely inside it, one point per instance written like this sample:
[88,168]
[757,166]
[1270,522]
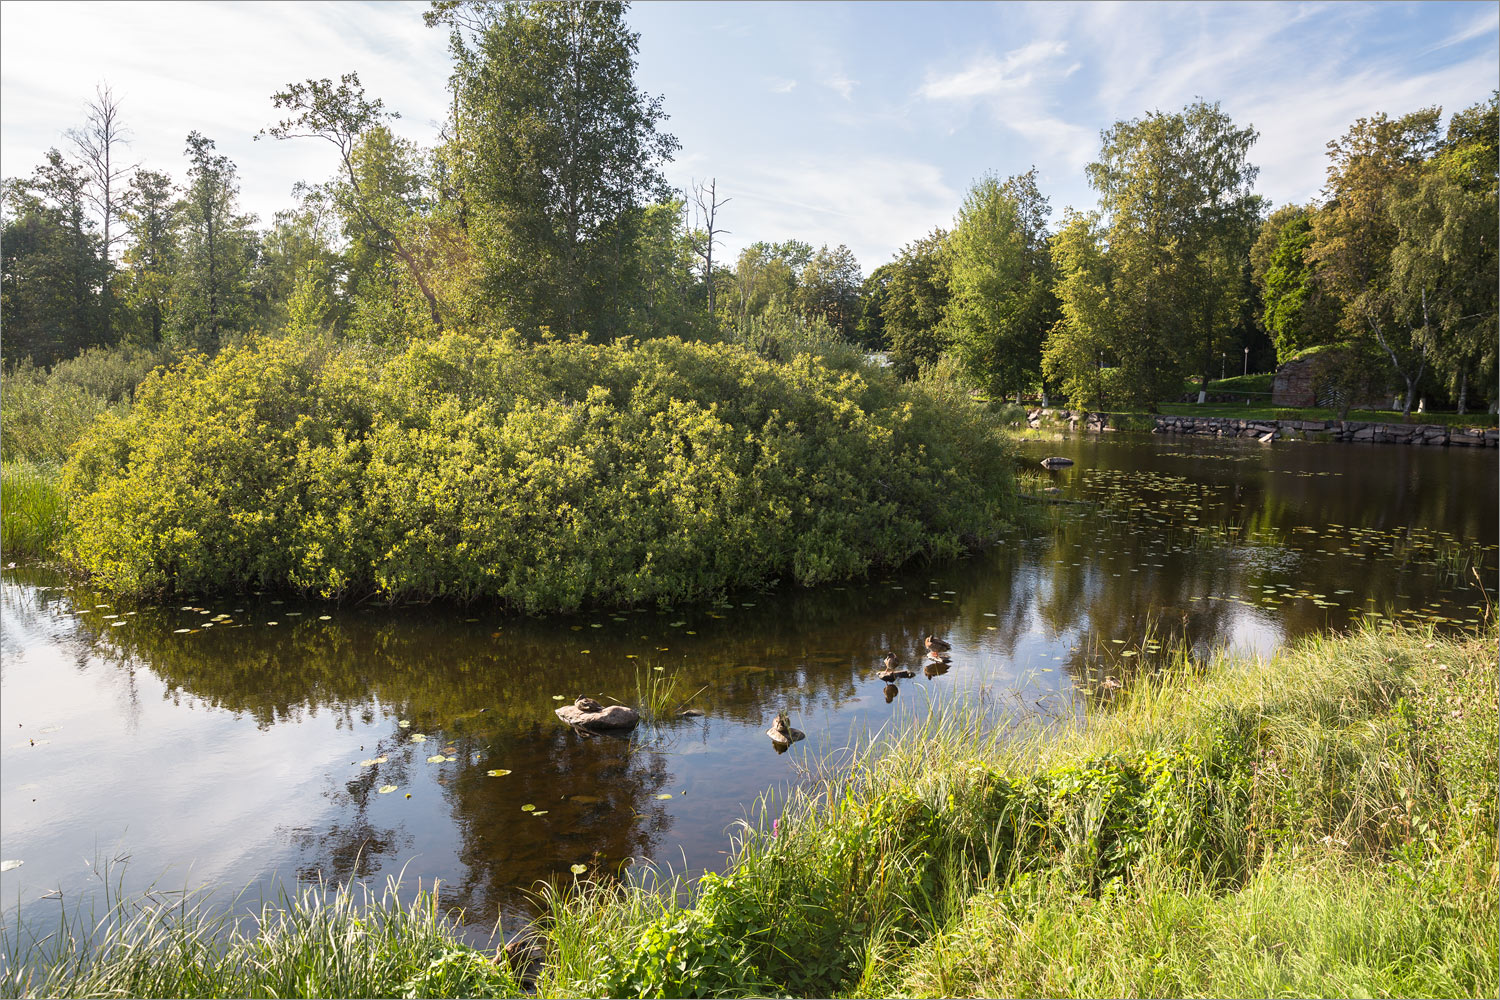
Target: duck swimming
[936,645]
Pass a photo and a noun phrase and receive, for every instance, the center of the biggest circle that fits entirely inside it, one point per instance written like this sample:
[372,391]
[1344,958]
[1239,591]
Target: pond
[238,742]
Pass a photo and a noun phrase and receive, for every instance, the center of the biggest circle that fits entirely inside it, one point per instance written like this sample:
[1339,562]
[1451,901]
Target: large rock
[1056,462]
[588,713]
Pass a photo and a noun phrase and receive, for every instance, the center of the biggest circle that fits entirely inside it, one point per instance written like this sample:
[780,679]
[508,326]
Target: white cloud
[782,85]
[841,85]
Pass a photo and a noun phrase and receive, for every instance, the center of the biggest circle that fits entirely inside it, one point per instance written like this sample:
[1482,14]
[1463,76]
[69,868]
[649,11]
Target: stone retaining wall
[1296,430]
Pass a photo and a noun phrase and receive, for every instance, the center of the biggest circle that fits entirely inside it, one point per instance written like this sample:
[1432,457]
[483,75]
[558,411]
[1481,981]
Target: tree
[211,293]
[1377,162]
[706,232]
[915,300]
[98,144]
[561,150]
[766,275]
[828,289]
[1296,311]
[52,265]
[1086,334]
[1176,191]
[149,212]
[1444,256]
[1001,279]
[343,116]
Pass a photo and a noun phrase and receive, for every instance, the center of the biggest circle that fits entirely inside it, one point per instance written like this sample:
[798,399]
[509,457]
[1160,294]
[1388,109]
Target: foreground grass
[1320,823]
[33,510]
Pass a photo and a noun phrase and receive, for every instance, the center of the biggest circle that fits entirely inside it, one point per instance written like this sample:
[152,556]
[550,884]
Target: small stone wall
[1281,430]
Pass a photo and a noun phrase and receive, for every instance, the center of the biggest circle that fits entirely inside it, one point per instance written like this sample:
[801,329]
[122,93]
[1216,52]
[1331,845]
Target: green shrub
[43,413]
[548,476]
[33,512]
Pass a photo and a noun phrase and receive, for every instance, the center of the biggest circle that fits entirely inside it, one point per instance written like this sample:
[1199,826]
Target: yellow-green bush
[549,476]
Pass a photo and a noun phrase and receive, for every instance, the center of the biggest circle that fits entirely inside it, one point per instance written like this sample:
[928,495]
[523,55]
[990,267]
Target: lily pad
[404,723]
[387,789]
[498,772]
[665,795]
[437,758]
[10,863]
[373,761]
[528,807]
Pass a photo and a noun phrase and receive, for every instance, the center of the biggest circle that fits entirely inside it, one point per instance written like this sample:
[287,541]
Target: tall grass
[33,510]
[311,941]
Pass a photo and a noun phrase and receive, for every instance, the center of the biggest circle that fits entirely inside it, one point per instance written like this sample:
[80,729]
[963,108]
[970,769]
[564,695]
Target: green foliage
[561,150]
[1000,273]
[916,298]
[1298,311]
[211,292]
[43,413]
[548,477]
[33,513]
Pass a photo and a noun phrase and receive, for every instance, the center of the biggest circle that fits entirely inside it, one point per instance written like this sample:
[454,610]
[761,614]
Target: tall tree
[1085,336]
[149,212]
[52,265]
[1444,256]
[1001,279]
[1297,312]
[916,298]
[561,151]
[99,143]
[706,232]
[344,116]
[1377,162]
[828,289]
[211,293]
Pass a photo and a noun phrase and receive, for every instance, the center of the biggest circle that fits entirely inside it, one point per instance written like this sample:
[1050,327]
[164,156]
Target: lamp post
[1247,361]
[1223,361]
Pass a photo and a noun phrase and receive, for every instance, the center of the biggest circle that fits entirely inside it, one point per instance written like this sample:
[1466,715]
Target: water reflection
[246,736]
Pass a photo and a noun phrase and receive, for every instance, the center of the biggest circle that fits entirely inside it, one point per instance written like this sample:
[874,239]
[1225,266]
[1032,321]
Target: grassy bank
[33,510]
[1321,823]
[1266,412]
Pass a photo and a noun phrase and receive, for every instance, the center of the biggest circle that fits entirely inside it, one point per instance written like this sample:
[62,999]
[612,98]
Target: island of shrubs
[547,476]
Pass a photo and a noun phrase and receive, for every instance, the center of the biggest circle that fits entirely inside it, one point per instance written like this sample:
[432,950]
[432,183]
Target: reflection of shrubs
[548,476]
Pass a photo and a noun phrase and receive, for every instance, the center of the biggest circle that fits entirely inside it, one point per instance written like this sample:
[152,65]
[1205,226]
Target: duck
[890,660]
[936,645]
[893,675]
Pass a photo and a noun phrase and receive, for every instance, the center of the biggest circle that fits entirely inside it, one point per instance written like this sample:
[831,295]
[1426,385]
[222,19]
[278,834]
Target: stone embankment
[1279,430]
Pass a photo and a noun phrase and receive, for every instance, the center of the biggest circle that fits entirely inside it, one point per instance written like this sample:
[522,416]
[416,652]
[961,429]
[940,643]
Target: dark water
[235,742]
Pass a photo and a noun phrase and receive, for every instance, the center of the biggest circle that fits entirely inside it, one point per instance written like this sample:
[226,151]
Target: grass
[310,942]
[33,510]
[1318,823]
[1240,411]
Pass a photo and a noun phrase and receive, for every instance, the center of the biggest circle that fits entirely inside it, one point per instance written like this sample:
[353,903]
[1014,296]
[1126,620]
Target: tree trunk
[1463,393]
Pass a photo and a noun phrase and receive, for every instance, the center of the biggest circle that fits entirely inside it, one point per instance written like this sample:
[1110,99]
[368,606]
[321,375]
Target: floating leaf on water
[559,697]
[371,762]
[1128,652]
[437,758]
[387,789]
[585,651]
[528,807]
[419,737]
[540,812]
[180,631]
[498,772]
[403,723]
[324,618]
[273,623]
[665,795]
[10,863]
[579,869]
[676,624]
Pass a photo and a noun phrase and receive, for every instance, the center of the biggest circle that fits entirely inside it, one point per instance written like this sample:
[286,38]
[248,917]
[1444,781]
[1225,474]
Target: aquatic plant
[33,510]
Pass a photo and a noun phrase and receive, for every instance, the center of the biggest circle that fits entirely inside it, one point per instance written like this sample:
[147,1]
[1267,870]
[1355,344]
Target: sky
[854,123]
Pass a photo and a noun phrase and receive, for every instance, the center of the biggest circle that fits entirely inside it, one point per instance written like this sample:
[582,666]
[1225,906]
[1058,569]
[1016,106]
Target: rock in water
[590,714]
[782,733]
[1056,462]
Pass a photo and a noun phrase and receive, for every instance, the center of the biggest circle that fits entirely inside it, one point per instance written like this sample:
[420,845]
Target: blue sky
[851,123]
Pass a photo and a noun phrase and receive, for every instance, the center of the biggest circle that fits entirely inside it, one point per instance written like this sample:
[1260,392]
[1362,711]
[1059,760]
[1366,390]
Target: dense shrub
[42,412]
[548,476]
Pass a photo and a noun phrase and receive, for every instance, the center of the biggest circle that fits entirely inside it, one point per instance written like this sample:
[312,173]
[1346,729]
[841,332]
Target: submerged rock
[590,714]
